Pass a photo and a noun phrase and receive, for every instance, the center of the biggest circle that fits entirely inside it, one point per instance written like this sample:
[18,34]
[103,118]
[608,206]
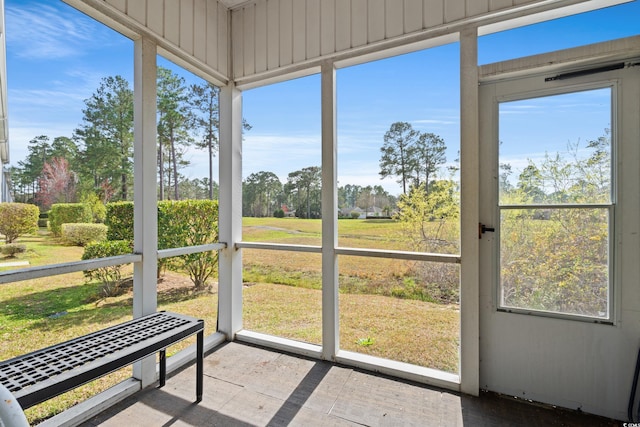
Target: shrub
[119,219]
[17,219]
[97,208]
[65,213]
[79,234]
[111,277]
[11,249]
[278,213]
[355,215]
[190,223]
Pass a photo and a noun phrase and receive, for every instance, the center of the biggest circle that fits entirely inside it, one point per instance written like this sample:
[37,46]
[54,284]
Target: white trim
[469,214]
[65,268]
[569,59]
[168,253]
[330,278]
[375,253]
[278,247]
[230,212]
[145,203]
[279,343]
[407,371]
[414,256]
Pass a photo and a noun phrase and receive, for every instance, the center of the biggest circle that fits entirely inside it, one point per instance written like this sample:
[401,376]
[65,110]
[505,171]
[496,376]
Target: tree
[418,209]
[206,120]
[107,135]
[428,153]
[260,192]
[396,159]
[205,116]
[57,184]
[307,183]
[173,128]
[39,150]
[365,199]
[530,183]
[348,195]
[197,189]
[65,148]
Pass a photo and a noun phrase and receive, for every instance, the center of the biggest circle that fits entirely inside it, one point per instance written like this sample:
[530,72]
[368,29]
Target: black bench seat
[40,375]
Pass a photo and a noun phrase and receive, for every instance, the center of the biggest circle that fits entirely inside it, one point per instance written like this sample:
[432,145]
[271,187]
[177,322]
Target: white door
[560,276]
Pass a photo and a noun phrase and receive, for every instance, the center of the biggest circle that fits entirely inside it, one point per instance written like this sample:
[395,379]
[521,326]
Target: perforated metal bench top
[61,367]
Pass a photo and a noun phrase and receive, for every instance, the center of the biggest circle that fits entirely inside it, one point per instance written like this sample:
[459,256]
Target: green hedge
[80,234]
[65,213]
[119,219]
[180,223]
[190,223]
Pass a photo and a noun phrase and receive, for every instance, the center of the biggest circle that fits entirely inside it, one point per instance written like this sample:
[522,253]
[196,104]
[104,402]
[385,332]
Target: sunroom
[545,259]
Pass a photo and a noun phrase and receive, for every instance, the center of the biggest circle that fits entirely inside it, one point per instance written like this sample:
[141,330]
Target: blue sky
[56,57]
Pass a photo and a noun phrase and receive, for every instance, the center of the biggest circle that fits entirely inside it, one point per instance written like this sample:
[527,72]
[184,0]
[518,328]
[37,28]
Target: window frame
[612,258]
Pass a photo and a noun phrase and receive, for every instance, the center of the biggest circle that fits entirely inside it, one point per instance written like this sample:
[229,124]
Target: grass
[398,329]
[282,297]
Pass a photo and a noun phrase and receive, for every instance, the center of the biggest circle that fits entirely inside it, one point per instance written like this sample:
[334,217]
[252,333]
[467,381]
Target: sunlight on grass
[42,312]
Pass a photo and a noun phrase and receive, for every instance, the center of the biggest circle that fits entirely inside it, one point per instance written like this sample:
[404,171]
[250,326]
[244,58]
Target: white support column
[145,213]
[330,311]
[469,179]
[230,212]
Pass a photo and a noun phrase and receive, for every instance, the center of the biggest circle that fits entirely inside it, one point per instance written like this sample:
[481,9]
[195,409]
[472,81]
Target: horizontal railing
[67,267]
[168,253]
[91,264]
[376,253]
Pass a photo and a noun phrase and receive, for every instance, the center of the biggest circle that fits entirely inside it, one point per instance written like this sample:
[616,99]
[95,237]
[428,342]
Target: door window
[556,203]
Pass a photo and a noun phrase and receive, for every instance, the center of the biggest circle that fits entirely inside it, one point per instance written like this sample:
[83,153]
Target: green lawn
[282,297]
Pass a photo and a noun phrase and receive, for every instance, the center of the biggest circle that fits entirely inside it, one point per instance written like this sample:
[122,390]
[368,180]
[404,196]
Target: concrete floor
[250,386]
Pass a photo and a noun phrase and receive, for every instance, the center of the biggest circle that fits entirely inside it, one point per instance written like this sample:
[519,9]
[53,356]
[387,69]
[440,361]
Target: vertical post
[469,207]
[330,312]
[230,212]
[145,211]
[199,365]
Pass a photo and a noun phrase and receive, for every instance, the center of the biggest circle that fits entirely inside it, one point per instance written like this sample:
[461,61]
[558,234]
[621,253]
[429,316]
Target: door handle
[482,228]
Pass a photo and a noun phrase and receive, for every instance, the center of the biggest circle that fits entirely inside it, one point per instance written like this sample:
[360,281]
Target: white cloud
[43,31]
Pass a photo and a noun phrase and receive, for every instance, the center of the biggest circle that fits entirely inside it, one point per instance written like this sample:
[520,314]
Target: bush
[80,234]
[17,219]
[97,208]
[111,277]
[180,223]
[11,249]
[355,215]
[65,213]
[278,213]
[119,219]
[190,223]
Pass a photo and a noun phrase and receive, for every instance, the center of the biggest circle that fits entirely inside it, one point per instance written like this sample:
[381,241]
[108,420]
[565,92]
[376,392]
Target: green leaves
[17,219]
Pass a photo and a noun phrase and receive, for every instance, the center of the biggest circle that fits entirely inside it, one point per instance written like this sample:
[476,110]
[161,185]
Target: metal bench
[38,376]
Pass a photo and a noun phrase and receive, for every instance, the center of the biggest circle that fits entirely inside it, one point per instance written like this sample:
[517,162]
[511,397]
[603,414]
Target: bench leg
[163,367]
[199,365]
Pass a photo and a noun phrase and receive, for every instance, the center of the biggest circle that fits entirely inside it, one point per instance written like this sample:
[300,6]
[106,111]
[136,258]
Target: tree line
[97,159]
[265,195]
[413,157]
